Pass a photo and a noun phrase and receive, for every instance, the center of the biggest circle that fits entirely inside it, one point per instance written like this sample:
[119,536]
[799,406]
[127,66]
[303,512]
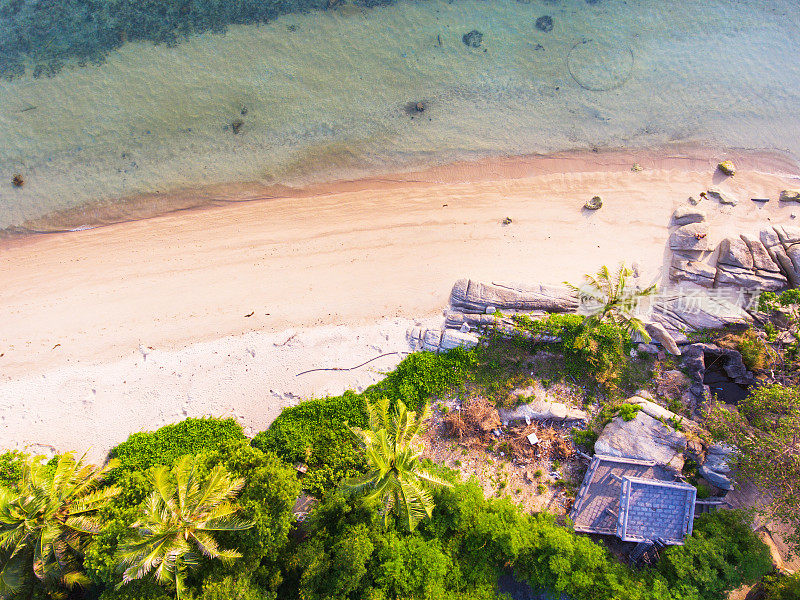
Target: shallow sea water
[325,94]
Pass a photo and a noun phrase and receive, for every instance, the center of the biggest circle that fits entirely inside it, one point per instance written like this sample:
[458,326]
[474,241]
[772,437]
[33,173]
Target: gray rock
[735,252]
[542,409]
[790,196]
[642,438]
[684,215]
[660,334]
[474,297]
[747,279]
[690,237]
[685,269]
[716,479]
[722,197]
[436,340]
[681,314]
[761,259]
[647,348]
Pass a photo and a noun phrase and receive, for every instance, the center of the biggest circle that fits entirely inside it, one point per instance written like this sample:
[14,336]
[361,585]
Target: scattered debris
[236,126]
[251,314]
[507,221]
[17,180]
[637,167]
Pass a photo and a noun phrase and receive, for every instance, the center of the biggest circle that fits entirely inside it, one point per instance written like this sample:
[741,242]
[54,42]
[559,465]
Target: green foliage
[315,432]
[609,299]
[47,519]
[584,438]
[781,587]
[769,301]
[230,587]
[163,447]
[753,350]
[11,468]
[722,554]
[597,354]
[395,478]
[628,411]
[423,375]
[764,429]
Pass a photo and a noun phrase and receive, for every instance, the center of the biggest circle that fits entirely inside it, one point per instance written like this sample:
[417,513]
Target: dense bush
[162,447]
[598,354]
[471,540]
[781,587]
[721,555]
[10,468]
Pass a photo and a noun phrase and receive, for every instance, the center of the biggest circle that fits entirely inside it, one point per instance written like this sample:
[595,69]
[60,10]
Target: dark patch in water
[472,39]
[48,34]
[545,23]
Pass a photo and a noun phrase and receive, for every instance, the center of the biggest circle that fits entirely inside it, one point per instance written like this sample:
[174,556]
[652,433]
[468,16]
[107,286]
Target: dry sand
[347,266]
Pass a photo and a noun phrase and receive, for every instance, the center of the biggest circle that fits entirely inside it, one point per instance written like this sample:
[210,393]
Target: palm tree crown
[395,477]
[46,522]
[610,299]
[178,521]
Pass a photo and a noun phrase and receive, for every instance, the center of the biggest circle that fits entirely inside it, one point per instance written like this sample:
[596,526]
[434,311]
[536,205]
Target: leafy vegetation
[178,523]
[764,429]
[47,519]
[609,299]
[395,477]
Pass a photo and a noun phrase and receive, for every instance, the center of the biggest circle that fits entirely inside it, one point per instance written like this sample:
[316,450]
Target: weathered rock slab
[693,236]
[540,407]
[643,437]
[685,215]
[474,296]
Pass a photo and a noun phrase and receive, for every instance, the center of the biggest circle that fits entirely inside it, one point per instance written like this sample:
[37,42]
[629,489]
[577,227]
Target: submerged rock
[727,167]
[594,204]
[545,23]
[472,39]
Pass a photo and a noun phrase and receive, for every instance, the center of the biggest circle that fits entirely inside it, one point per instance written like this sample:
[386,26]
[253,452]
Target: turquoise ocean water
[101,101]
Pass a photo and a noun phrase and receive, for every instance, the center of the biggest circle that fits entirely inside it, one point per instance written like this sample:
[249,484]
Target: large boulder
[681,314]
[644,438]
[722,197]
[685,269]
[736,253]
[659,333]
[476,297]
[684,215]
[716,467]
[440,340]
[693,236]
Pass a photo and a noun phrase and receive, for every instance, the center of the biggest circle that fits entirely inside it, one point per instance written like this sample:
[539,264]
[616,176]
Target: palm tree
[178,522]
[47,521]
[395,477]
[609,300]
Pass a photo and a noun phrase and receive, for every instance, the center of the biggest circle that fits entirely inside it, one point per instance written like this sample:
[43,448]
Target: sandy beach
[133,325]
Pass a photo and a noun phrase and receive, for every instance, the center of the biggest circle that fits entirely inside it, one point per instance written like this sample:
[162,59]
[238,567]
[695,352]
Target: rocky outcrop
[436,340]
[790,196]
[539,406]
[727,167]
[684,215]
[693,236]
[694,365]
[716,467]
[643,437]
[475,297]
[681,314]
[768,262]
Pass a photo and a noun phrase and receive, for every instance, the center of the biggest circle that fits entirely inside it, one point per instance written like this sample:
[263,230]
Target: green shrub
[10,468]
[162,447]
[722,554]
[778,586]
[628,412]
[753,350]
[584,438]
[423,375]
[599,354]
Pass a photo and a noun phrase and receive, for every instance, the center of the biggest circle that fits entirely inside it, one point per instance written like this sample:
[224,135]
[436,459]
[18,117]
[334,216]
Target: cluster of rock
[767,262]
[652,435]
[476,307]
[534,404]
[694,365]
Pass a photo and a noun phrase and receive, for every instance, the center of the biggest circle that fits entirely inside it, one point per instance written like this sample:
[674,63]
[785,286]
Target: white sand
[76,308]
